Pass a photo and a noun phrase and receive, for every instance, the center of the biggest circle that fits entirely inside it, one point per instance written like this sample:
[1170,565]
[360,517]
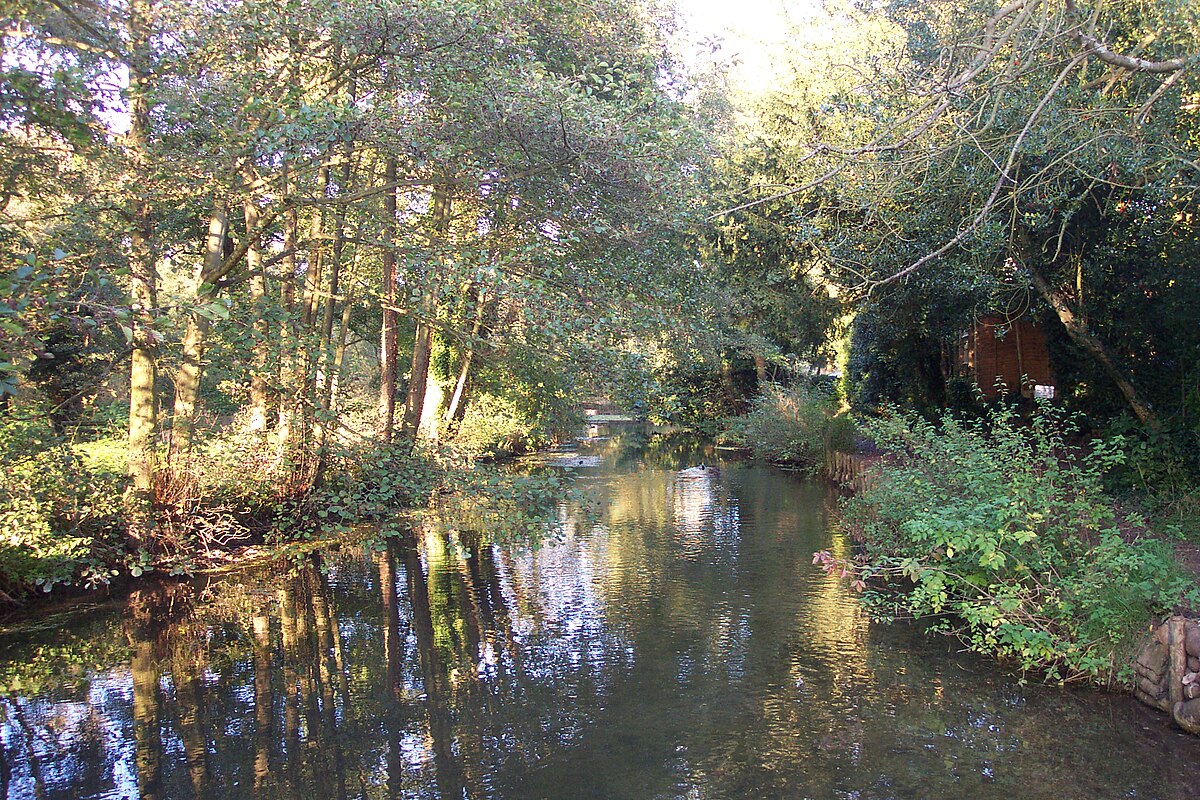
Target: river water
[675,642]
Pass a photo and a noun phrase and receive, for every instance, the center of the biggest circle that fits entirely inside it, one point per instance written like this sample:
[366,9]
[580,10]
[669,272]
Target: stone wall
[1167,671]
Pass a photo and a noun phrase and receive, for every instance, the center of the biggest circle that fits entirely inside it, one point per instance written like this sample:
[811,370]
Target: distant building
[1006,355]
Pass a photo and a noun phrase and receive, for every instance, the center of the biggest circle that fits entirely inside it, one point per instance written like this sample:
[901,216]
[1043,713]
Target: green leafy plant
[60,514]
[796,425]
[998,531]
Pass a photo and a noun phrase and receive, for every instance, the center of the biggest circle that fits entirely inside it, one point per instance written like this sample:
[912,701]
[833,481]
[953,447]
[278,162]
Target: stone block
[1187,715]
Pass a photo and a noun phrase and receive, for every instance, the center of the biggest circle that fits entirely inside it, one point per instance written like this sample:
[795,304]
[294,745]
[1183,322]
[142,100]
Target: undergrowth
[796,425]
[998,532]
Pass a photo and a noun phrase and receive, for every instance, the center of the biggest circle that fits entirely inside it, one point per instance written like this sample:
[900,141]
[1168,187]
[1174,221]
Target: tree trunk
[339,354]
[287,327]
[760,369]
[458,399]
[414,404]
[387,336]
[329,362]
[314,278]
[195,339]
[423,337]
[259,393]
[143,277]
[1093,346]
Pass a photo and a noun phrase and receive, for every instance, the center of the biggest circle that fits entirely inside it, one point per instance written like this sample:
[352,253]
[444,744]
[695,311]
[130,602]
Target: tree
[999,142]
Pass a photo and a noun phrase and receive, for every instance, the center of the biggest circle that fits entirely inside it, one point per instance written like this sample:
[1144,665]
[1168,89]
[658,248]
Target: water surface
[677,642]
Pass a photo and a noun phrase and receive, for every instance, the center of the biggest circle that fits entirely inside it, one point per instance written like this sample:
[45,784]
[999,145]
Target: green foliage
[1162,472]
[369,483]
[60,513]
[795,425]
[997,531]
[699,393]
[492,427]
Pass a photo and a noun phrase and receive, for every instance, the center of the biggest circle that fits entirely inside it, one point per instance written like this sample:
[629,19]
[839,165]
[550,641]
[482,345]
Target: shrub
[493,427]
[797,425]
[997,532]
[60,512]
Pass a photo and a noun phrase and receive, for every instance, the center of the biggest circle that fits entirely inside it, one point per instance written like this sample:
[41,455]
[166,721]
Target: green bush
[998,532]
[795,425]
[493,427]
[1161,472]
[60,511]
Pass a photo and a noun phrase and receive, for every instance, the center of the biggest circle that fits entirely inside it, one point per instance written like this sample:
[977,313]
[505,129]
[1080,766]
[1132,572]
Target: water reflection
[679,645]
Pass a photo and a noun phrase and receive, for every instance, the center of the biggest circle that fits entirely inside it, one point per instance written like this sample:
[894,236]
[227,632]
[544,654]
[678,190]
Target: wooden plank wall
[1000,352]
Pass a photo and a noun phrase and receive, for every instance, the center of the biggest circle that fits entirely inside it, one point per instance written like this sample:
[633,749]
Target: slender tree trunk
[329,361]
[259,391]
[335,274]
[423,336]
[287,327]
[308,340]
[760,369]
[387,336]
[195,339]
[458,399]
[339,354]
[414,404]
[143,403]
[1093,346]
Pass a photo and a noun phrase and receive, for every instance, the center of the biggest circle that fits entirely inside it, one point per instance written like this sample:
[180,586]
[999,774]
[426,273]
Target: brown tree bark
[1091,344]
[387,297]
[143,276]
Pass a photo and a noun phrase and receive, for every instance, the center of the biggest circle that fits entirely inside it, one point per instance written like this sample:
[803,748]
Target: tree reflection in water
[679,645]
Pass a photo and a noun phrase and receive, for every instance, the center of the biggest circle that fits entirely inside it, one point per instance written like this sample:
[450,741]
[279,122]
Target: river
[675,642]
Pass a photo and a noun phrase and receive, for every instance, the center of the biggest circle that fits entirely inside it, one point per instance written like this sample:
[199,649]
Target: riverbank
[1010,546]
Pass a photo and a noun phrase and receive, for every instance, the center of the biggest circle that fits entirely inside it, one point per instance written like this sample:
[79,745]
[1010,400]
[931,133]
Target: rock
[1151,662]
[1193,664]
[1187,715]
[1160,634]
[1161,702]
[1152,689]
[1191,691]
[1191,641]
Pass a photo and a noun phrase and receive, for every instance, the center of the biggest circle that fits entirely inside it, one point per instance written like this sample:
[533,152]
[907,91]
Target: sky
[751,30]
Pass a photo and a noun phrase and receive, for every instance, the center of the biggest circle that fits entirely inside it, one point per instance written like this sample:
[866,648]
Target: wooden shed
[1006,355]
